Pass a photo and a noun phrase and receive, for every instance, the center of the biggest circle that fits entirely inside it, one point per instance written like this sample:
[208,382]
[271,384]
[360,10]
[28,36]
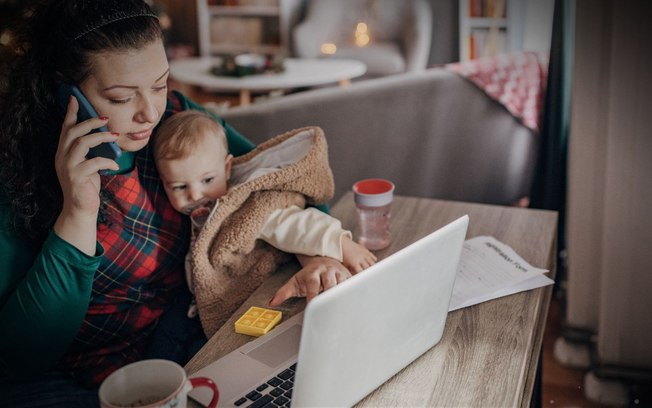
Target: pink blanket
[517,81]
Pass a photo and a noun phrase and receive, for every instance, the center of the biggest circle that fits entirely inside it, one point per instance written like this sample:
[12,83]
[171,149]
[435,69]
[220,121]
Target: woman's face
[130,88]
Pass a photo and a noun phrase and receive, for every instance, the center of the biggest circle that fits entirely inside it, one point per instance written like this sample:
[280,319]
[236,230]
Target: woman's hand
[79,178]
[318,273]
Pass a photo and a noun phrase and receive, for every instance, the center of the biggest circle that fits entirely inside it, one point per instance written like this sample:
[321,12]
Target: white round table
[298,73]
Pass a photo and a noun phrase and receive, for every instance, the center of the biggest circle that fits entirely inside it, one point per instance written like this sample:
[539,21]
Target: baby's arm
[312,232]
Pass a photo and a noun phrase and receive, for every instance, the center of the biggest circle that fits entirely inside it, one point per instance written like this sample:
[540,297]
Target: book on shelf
[487,8]
[487,42]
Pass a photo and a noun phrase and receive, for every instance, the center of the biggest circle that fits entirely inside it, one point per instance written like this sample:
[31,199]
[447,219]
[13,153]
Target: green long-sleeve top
[45,291]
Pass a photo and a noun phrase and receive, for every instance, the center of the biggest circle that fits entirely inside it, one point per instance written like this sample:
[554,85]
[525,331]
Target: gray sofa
[433,133]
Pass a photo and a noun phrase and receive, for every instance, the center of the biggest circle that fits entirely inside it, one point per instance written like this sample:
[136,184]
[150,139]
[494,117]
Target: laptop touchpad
[278,349]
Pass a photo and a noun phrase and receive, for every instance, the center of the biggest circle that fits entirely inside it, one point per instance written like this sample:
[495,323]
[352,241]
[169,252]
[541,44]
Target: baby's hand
[355,256]
[319,273]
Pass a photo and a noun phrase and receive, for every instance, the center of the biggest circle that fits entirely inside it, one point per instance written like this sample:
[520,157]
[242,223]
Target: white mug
[151,383]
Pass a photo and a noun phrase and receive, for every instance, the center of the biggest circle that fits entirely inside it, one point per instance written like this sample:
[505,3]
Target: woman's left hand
[318,273]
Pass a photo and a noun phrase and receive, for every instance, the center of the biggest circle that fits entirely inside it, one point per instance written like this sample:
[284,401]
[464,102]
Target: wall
[445,32]
[537,18]
[184,20]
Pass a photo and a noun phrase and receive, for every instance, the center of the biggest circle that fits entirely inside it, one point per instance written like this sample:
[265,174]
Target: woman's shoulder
[178,102]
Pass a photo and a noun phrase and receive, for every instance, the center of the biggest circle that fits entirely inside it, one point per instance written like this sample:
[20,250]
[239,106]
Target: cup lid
[373,192]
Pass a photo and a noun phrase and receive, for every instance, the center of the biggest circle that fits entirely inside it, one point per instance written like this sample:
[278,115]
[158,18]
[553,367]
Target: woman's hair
[182,133]
[55,46]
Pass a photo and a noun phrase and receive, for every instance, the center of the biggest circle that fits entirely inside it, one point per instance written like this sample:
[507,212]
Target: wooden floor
[561,386]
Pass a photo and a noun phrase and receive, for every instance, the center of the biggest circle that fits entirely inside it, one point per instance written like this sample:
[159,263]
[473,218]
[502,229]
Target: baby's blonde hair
[181,133]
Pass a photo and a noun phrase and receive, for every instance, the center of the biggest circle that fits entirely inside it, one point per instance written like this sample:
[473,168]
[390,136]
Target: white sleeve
[304,231]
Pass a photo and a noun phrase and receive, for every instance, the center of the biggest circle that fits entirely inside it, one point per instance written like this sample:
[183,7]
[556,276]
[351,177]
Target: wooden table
[489,353]
[299,73]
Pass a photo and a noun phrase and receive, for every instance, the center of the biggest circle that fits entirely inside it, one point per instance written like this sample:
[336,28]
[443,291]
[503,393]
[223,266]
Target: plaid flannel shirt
[145,242]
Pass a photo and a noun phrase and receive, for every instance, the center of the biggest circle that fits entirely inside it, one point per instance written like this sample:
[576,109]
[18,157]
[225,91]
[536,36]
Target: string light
[328,48]
[362,34]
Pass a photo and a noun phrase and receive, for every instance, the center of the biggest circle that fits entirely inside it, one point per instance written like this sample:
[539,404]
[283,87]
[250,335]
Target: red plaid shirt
[145,241]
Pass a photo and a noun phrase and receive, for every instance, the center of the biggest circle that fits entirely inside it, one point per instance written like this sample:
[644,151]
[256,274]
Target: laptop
[350,339]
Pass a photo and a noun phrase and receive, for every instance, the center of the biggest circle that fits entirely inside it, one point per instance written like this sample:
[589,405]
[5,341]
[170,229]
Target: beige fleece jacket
[228,260]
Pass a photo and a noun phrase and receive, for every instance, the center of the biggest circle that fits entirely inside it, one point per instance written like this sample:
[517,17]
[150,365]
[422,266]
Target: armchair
[400,33]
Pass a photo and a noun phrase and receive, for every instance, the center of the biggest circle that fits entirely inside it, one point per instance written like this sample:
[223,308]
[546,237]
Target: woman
[92,271]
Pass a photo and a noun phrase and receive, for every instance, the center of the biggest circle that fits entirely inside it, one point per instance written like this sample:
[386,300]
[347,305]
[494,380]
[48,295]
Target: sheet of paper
[489,269]
[532,283]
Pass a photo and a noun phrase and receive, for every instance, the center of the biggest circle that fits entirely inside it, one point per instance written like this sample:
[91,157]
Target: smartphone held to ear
[109,150]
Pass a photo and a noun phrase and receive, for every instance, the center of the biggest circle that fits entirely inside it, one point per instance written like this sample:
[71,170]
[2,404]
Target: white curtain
[609,226]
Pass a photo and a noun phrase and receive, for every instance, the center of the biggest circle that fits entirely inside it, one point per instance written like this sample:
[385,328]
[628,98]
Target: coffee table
[299,73]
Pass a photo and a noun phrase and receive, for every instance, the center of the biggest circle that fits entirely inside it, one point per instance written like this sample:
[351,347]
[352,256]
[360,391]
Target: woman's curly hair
[55,46]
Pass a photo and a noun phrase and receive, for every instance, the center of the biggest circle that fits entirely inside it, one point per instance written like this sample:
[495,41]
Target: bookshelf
[239,26]
[490,27]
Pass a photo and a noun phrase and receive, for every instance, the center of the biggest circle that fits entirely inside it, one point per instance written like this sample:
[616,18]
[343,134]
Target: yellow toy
[257,321]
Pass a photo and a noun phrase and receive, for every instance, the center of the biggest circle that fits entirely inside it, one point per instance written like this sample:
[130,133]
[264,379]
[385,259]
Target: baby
[191,154]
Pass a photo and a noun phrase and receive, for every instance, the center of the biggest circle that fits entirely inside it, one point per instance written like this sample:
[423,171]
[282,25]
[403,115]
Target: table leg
[245,97]
[537,390]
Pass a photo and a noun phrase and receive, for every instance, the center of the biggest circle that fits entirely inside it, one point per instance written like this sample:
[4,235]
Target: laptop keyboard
[276,392]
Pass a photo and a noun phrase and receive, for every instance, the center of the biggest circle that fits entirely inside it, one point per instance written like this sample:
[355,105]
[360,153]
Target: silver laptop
[351,338]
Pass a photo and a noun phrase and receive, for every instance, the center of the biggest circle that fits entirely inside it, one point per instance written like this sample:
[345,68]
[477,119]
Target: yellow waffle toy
[257,321]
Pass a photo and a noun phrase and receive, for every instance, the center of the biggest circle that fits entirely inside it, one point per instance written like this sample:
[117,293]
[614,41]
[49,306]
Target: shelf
[487,22]
[252,26]
[482,36]
[244,11]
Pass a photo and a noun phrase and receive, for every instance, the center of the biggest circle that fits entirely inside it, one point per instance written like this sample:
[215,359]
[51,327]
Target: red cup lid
[373,192]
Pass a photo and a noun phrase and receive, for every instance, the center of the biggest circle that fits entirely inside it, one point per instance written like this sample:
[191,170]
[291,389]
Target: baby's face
[197,179]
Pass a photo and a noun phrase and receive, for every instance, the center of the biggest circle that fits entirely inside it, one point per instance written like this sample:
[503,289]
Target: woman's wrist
[78,229]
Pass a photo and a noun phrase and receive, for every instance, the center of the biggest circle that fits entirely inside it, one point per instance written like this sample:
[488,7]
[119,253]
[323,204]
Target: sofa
[433,133]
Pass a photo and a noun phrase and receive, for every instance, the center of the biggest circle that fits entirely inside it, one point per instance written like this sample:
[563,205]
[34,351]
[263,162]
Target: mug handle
[207,382]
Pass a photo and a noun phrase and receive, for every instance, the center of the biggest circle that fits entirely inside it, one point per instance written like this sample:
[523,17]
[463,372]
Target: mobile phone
[110,150]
